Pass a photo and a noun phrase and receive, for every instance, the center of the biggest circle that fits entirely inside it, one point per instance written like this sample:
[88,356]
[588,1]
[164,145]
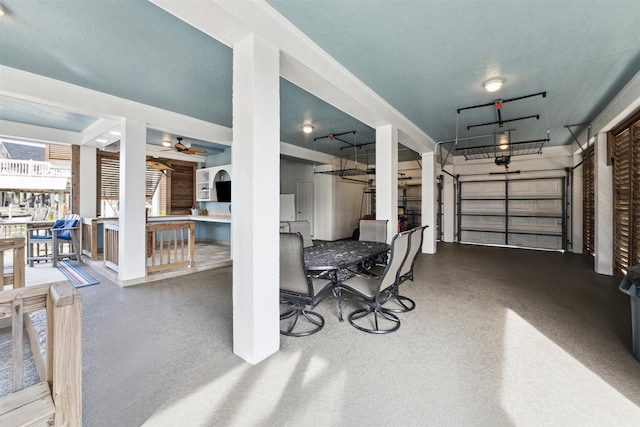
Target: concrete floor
[500,337]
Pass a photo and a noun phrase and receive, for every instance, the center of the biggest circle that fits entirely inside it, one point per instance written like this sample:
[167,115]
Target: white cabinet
[203,185]
[206,179]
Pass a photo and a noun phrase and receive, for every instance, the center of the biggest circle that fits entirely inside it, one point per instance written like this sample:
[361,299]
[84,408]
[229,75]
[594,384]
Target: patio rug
[75,274]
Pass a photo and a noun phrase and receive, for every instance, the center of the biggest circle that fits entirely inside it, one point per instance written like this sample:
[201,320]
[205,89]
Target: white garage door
[525,212]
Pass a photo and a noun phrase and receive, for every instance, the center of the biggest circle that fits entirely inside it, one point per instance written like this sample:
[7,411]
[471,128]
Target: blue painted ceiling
[426,58]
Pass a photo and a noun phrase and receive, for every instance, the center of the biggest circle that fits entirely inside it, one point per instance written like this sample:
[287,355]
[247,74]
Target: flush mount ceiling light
[102,140]
[307,128]
[493,85]
[2,12]
[115,132]
[166,143]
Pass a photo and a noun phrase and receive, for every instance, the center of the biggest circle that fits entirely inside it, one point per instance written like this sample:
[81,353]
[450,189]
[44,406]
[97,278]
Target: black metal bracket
[501,122]
[503,101]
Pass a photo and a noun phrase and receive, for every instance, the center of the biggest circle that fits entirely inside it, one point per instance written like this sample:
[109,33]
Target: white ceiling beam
[35,88]
[98,128]
[303,62]
[304,153]
[35,133]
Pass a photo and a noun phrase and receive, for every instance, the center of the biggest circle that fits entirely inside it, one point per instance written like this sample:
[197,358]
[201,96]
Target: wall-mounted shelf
[205,182]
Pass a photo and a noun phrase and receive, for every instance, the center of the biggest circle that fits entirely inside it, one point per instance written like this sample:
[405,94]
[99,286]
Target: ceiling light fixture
[102,140]
[166,143]
[115,132]
[493,85]
[2,12]
[307,128]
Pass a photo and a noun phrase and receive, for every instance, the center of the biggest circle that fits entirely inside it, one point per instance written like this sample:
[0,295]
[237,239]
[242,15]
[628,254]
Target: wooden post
[16,245]
[192,244]
[66,386]
[75,180]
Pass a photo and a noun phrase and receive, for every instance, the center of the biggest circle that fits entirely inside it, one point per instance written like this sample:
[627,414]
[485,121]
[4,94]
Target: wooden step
[31,406]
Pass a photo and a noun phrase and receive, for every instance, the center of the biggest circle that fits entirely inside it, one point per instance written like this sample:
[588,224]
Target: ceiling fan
[187,150]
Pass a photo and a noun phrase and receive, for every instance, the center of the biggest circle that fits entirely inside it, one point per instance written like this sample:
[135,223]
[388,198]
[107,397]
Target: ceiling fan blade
[180,146]
[197,150]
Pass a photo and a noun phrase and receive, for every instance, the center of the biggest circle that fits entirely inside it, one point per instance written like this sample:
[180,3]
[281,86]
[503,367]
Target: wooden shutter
[57,152]
[622,199]
[634,258]
[182,183]
[588,201]
[182,188]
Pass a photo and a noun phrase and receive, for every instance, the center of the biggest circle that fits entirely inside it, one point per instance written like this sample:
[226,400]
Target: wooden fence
[169,245]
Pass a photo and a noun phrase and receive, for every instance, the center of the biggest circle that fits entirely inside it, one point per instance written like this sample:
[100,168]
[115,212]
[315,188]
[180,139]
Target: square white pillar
[429,199]
[603,238]
[387,177]
[255,198]
[88,181]
[132,234]
[577,203]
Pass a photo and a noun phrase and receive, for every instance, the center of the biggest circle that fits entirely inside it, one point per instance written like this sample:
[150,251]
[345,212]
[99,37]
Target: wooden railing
[15,277]
[169,245]
[111,245]
[13,229]
[89,237]
[90,247]
[57,399]
[31,168]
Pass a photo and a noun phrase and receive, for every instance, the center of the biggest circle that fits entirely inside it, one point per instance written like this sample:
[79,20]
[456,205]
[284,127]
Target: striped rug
[75,274]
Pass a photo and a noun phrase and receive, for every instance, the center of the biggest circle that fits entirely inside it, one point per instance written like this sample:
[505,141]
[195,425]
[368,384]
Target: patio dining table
[341,259]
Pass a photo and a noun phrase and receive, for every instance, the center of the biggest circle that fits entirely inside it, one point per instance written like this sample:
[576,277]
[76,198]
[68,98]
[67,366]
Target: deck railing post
[66,353]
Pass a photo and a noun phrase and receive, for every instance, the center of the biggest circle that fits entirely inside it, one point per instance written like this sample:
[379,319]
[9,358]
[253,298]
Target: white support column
[577,214]
[448,208]
[387,177]
[256,183]
[88,181]
[603,239]
[429,198]
[132,235]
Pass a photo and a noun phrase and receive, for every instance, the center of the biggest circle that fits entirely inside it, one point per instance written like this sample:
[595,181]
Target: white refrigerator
[287,207]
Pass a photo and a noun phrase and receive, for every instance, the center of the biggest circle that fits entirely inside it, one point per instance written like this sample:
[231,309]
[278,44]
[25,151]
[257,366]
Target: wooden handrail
[63,371]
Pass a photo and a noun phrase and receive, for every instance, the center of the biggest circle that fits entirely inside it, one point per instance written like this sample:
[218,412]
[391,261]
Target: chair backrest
[69,221]
[373,230]
[416,244]
[40,214]
[304,228]
[293,276]
[399,248]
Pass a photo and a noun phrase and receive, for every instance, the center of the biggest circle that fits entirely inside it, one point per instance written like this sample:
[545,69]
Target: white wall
[337,201]
[347,207]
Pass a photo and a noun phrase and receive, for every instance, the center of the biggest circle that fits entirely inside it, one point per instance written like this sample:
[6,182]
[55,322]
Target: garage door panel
[530,216]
